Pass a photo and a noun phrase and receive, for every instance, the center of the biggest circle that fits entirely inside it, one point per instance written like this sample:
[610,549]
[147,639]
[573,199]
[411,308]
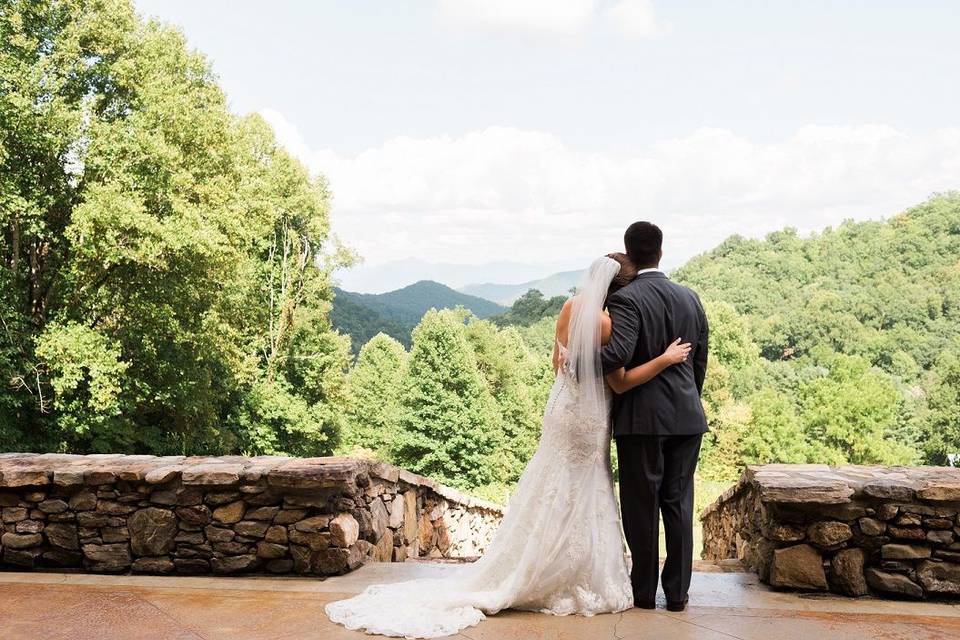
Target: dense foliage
[396,313]
[530,308]
[159,257]
[463,407]
[840,347]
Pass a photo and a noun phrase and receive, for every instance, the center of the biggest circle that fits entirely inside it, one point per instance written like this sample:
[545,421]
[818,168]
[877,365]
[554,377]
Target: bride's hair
[628,271]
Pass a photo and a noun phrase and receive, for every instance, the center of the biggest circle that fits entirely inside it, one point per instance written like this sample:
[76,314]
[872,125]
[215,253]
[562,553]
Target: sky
[475,140]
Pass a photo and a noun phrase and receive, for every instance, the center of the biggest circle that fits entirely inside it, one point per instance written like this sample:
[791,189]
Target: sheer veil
[583,340]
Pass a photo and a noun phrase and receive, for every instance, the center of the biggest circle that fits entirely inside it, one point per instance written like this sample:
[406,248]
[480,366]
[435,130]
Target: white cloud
[505,194]
[550,16]
[633,18]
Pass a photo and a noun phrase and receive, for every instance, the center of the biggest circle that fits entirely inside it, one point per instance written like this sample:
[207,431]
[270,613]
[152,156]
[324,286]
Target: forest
[167,275]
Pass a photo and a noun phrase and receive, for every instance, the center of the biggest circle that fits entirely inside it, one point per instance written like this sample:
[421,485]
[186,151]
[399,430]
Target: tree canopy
[163,286]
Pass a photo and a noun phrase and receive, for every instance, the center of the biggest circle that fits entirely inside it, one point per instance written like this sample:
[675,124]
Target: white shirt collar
[649,270]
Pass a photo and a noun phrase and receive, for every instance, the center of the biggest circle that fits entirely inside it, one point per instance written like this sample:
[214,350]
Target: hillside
[396,313]
[888,291]
[558,284]
[843,346]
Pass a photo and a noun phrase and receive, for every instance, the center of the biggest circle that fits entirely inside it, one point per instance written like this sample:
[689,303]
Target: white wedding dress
[558,550]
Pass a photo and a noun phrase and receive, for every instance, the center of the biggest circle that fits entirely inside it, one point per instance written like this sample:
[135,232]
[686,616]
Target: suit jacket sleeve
[623,340]
[700,351]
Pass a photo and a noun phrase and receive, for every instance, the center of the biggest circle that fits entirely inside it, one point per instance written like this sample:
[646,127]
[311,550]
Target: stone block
[21,541]
[906,533]
[262,513]
[234,564]
[196,514]
[313,525]
[161,565]
[270,551]
[14,477]
[28,526]
[107,557]
[847,572]
[379,516]
[53,506]
[276,534]
[152,531]
[397,507]
[331,561]
[895,583]
[230,513]
[212,474]
[904,551]
[219,534]
[941,491]
[62,535]
[289,516]
[798,567]
[14,514]
[409,516]
[781,532]
[872,527]
[941,578]
[314,540]
[383,549]
[940,537]
[251,528]
[344,530]
[828,534]
[887,512]
[889,490]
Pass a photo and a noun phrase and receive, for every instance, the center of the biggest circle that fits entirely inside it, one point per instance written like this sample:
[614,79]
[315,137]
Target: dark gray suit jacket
[648,314]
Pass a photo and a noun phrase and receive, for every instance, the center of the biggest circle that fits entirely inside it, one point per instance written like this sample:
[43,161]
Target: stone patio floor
[46,606]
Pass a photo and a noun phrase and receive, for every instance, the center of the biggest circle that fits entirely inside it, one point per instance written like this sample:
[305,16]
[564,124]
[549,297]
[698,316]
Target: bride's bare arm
[560,337]
[622,380]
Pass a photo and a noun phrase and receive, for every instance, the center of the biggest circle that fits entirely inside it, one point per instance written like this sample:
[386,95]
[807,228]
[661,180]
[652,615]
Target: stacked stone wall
[854,530]
[197,515]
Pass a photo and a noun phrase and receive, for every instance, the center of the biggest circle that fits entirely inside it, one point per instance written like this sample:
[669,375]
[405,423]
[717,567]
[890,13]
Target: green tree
[529,308]
[447,415]
[373,388]
[774,432]
[163,286]
[850,412]
[941,421]
[515,383]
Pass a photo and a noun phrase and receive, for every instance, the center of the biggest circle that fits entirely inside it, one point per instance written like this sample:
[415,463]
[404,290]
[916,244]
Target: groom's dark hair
[643,241]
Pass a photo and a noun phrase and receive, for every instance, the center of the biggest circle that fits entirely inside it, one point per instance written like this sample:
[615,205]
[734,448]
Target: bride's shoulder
[563,319]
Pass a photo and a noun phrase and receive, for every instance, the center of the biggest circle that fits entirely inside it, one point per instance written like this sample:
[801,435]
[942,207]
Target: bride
[559,549]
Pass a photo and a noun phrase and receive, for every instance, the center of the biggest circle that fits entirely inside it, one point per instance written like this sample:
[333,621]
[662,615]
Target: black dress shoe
[677,606]
[645,605]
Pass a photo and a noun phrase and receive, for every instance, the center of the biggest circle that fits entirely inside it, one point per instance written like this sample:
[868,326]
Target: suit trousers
[656,477]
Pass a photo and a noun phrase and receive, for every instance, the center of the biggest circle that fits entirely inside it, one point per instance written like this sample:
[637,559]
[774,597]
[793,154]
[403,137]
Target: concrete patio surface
[47,606]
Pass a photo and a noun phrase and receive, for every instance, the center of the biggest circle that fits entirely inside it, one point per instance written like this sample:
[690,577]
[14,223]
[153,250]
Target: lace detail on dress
[558,550]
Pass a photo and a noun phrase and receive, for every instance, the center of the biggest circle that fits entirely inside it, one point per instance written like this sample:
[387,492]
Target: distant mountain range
[389,276]
[396,313]
[557,284]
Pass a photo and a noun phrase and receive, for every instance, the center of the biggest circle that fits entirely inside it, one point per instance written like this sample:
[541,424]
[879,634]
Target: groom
[658,425]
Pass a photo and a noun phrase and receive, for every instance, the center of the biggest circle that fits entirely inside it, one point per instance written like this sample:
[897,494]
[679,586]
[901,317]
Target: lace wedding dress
[558,549]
